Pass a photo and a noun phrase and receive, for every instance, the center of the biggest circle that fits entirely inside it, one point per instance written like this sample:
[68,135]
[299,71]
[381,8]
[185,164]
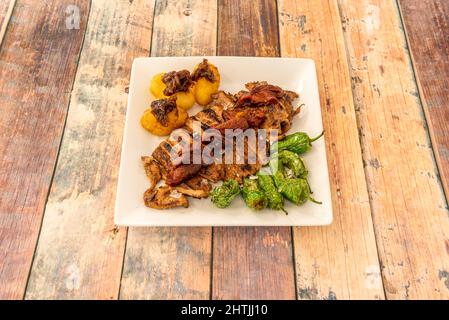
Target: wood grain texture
[408,204]
[38,61]
[251,263]
[6,9]
[173,263]
[80,252]
[427,27]
[337,261]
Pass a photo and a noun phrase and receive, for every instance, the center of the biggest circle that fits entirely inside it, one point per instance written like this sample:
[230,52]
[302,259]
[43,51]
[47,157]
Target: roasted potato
[204,88]
[162,122]
[157,86]
[184,100]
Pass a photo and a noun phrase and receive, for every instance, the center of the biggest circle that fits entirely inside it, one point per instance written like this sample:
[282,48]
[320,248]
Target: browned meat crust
[242,168]
[152,171]
[214,172]
[260,95]
[181,173]
[164,197]
[199,183]
[262,106]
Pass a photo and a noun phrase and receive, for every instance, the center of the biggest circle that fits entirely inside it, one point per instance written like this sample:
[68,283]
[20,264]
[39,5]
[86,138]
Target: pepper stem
[285,211]
[316,138]
[315,201]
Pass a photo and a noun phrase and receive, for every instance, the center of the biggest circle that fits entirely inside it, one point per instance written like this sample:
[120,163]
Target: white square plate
[293,74]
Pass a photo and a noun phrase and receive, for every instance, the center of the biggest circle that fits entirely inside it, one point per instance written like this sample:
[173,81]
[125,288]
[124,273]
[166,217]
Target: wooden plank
[38,60]
[6,9]
[80,252]
[173,263]
[337,261]
[427,25]
[251,263]
[408,204]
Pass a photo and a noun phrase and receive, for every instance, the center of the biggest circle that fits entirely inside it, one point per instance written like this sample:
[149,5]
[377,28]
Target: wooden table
[383,71]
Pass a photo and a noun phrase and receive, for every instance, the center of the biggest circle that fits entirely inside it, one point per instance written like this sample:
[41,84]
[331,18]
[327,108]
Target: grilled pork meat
[194,193]
[181,173]
[261,94]
[277,105]
[199,183]
[214,172]
[243,167]
[223,100]
[164,197]
[263,106]
[152,170]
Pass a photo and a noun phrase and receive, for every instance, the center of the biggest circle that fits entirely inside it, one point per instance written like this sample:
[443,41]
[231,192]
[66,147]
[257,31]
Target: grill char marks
[263,106]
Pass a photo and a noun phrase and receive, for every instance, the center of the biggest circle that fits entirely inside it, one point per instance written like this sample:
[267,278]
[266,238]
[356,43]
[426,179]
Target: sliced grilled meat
[164,197]
[214,172]
[152,171]
[260,95]
[181,173]
[209,117]
[186,190]
[199,183]
[242,168]
[223,100]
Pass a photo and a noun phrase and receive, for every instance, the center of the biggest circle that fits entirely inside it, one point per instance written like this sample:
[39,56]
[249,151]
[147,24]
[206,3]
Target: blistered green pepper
[274,198]
[290,160]
[298,142]
[254,197]
[297,190]
[223,195]
[293,161]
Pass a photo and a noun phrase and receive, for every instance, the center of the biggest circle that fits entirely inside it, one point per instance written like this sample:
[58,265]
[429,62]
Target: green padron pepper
[274,198]
[293,161]
[254,197]
[297,190]
[298,142]
[223,195]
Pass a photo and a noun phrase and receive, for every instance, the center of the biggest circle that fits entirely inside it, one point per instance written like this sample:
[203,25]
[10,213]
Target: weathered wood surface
[6,9]
[408,205]
[393,180]
[38,61]
[251,263]
[173,263]
[427,26]
[80,252]
[337,261]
